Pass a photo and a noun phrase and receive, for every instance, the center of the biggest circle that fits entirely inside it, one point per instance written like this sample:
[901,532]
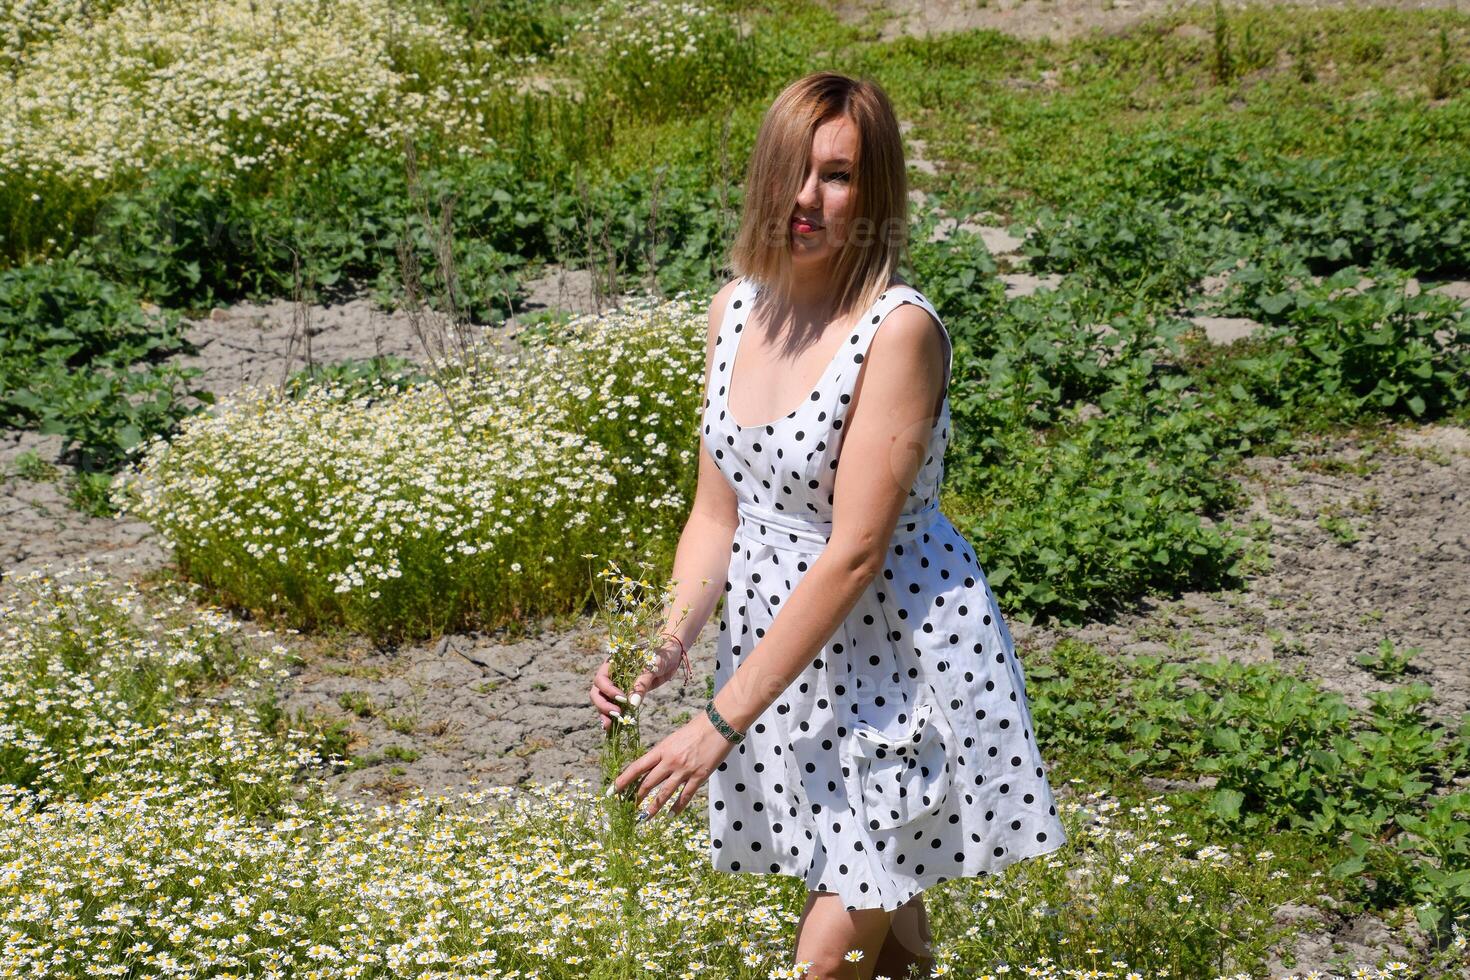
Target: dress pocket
[903,777]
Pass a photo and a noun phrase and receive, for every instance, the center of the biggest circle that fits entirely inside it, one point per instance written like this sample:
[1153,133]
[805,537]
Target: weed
[1389,662]
[1334,523]
[359,703]
[403,723]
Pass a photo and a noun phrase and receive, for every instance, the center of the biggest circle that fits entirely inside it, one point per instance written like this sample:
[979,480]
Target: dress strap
[862,338]
[731,324]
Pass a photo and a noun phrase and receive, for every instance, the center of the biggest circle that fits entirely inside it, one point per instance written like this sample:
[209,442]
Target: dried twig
[720,186]
[658,179]
[585,199]
[450,342]
[430,338]
[300,323]
[612,262]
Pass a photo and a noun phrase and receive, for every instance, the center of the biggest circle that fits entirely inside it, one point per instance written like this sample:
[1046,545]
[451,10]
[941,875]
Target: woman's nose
[806,198]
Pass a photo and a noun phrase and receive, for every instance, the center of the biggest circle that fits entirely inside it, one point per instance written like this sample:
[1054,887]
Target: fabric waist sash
[792,532]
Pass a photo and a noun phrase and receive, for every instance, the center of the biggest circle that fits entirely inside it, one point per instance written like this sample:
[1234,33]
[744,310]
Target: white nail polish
[614,712]
[636,699]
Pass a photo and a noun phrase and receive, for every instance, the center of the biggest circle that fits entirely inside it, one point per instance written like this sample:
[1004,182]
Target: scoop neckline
[821,381]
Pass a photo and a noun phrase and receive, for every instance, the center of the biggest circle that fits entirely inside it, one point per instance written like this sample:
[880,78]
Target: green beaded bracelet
[721,725]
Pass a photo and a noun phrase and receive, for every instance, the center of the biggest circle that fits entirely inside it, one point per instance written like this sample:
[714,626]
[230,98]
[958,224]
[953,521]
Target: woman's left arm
[886,442]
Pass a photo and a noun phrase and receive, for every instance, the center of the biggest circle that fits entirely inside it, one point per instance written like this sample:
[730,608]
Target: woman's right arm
[709,533]
[702,560]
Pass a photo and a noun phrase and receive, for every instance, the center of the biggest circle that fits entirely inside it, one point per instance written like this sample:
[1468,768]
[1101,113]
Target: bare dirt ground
[1367,544]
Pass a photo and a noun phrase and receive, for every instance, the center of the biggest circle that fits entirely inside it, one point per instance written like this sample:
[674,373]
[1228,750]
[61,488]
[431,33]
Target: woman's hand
[610,701]
[684,759]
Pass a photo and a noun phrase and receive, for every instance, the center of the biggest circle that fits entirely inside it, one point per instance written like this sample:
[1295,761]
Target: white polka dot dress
[904,754]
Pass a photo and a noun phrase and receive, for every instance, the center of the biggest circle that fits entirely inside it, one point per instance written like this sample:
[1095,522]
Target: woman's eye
[843,174]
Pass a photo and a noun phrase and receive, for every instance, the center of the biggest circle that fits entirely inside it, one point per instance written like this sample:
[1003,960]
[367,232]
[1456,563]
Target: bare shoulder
[909,333]
[717,305]
[721,298]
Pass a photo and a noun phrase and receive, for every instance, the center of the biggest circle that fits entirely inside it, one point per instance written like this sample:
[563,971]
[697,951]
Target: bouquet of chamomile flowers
[634,613]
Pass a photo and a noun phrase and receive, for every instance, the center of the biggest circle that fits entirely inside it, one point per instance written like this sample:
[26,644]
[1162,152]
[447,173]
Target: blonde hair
[878,228]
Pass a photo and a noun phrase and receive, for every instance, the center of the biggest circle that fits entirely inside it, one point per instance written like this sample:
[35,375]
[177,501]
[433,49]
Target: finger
[603,683]
[599,699]
[604,689]
[635,768]
[669,799]
[648,786]
[650,782]
[666,793]
[643,684]
[609,716]
[691,789]
[655,799]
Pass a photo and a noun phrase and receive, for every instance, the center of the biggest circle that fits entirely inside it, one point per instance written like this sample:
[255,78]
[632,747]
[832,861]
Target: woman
[869,732]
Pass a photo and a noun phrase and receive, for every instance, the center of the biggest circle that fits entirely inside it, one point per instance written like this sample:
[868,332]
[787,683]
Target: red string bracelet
[683,654]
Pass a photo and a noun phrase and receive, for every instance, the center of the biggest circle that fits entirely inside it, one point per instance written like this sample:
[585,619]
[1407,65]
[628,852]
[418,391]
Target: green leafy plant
[29,465]
[1273,751]
[80,357]
[359,703]
[520,27]
[353,378]
[1389,662]
[1222,67]
[178,238]
[1301,58]
[1374,349]
[1338,526]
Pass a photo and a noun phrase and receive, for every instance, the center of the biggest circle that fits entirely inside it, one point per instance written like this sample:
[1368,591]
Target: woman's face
[819,221]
